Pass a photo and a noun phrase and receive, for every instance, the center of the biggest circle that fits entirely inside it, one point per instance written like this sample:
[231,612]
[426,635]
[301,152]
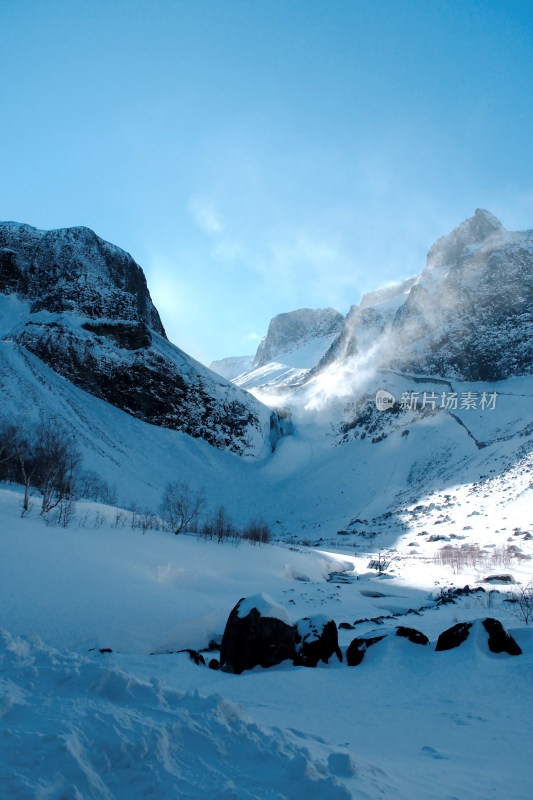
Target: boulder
[258,633]
[358,647]
[454,636]
[505,578]
[412,634]
[316,640]
[500,640]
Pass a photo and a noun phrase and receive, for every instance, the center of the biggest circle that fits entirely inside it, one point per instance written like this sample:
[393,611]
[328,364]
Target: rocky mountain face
[295,329]
[89,317]
[232,367]
[468,315]
[73,270]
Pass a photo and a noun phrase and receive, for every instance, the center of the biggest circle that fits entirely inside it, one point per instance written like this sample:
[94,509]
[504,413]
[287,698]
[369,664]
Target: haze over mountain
[109,622]
[467,316]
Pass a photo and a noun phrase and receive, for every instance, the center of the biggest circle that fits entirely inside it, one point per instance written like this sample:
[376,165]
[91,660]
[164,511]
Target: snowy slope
[294,329]
[407,723]
[286,372]
[231,367]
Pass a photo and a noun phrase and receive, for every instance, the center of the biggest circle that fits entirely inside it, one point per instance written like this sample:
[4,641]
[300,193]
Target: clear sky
[257,156]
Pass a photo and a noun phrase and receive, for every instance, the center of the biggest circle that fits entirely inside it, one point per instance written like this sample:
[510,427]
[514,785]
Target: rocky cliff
[468,315]
[89,316]
[295,329]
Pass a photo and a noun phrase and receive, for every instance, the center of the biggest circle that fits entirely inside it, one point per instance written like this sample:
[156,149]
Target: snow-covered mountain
[468,315]
[294,344]
[232,367]
[82,306]
[288,332]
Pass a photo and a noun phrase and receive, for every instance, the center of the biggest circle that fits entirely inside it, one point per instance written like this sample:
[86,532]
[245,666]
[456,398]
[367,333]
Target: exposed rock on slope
[468,315]
[289,331]
[91,319]
[73,270]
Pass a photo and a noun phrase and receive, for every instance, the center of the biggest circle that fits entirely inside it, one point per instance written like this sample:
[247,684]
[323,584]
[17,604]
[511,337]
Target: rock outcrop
[316,640]
[294,329]
[90,318]
[468,315]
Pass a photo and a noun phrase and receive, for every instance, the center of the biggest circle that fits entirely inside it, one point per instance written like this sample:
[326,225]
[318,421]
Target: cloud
[206,216]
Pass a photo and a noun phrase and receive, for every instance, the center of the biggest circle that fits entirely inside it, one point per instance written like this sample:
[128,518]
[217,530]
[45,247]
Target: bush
[257,532]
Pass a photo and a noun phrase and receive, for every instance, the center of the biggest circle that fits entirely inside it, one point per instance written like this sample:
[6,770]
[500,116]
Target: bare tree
[57,465]
[181,506]
[24,445]
[522,603]
[257,531]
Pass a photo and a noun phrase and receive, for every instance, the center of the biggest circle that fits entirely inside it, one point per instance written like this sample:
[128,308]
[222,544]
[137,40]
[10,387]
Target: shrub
[181,507]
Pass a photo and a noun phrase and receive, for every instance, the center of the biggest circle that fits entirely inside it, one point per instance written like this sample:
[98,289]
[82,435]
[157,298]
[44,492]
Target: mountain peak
[473,231]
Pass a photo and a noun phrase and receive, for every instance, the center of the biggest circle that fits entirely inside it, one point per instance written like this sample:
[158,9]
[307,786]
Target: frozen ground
[141,721]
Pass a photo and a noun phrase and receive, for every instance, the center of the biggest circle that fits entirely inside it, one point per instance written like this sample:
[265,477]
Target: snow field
[76,723]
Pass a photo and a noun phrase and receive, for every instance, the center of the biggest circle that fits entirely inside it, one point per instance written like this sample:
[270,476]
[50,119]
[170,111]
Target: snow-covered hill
[82,306]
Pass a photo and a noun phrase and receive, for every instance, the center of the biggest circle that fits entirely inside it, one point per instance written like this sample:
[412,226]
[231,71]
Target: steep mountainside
[232,367]
[294,345]
[293,330]
[468,315]
[82,306]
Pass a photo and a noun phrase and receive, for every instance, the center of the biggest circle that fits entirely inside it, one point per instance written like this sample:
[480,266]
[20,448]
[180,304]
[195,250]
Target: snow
[289,371]
[232,366]
[310,626]
[266,606]
[407,723]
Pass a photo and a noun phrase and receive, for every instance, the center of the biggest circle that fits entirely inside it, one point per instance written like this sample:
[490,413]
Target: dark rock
[500,640]
[194,655]
[257,639]
[346,626]
[316,640]
[127,335]
[412,634]
[104,334]
[214,664]
[357,649]
[454,636]
[499,579]
[105,650]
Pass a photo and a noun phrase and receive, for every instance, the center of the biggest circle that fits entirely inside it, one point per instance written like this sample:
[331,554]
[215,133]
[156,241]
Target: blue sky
[256,157]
